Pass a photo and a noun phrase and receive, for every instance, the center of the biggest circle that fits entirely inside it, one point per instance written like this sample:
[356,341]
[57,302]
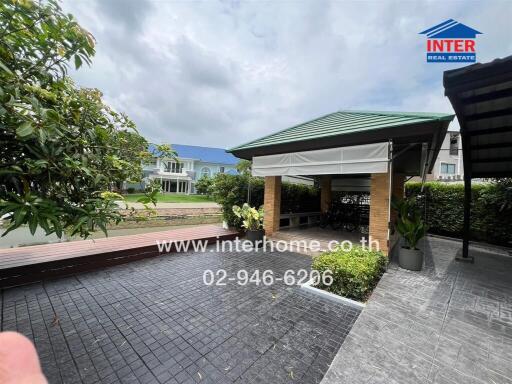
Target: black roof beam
[493,160]
[489,114]
[488,131]
[456,87]
[491,174]
[487,96]
[491,146]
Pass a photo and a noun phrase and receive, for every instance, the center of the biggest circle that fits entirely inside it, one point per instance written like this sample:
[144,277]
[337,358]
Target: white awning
[369,158]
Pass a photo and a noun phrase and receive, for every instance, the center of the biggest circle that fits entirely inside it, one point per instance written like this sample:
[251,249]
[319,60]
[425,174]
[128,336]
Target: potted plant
[411,227]
[252,221]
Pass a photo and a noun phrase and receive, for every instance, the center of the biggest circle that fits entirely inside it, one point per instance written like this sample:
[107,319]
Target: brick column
[325,193]
[272,204]
[379,209]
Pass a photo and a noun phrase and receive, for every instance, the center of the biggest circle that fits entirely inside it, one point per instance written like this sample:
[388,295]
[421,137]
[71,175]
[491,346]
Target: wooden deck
[28,264]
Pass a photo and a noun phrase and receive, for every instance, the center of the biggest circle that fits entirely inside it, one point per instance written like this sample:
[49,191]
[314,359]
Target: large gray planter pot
[254,236]
[411,259]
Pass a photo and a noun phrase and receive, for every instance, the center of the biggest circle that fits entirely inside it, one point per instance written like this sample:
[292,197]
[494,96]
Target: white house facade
[449,165]
[193,163]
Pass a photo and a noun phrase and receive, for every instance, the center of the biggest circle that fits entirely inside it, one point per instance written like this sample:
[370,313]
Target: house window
[205,171]
[454,144]
[221,169]
[173,167]
[447,169]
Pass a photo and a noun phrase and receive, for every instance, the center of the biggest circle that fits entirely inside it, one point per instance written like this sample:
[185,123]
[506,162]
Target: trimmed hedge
[228,190]
[355,273]
[443,207]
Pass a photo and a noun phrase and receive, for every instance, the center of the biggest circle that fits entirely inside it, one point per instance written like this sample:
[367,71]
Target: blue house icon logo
[451,41]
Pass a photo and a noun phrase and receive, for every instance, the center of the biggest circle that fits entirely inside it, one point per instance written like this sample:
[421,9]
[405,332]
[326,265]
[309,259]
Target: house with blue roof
[193,163]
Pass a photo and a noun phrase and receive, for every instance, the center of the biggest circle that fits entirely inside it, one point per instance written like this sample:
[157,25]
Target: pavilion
[383,148]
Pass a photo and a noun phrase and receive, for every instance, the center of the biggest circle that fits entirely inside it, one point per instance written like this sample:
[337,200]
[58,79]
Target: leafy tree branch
[64,151]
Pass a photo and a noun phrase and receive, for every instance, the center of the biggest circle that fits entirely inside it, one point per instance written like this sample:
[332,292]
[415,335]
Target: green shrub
[229,190]
[355,273]
[130,190]
[203,185]
[443,207]
[299,198]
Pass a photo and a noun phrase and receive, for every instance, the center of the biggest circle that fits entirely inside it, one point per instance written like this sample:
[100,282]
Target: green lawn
[171,198]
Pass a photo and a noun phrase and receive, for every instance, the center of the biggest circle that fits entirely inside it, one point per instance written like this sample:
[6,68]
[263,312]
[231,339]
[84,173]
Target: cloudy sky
[220,73]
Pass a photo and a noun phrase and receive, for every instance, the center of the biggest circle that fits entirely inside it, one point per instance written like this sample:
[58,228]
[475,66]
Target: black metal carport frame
[481,95]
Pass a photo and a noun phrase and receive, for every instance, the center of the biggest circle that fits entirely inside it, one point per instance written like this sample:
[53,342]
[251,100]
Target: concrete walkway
[450,323]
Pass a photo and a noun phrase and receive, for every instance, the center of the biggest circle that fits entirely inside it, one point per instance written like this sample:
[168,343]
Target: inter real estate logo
[451,42]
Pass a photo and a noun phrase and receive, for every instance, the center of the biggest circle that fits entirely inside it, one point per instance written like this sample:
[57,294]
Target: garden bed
[355,274]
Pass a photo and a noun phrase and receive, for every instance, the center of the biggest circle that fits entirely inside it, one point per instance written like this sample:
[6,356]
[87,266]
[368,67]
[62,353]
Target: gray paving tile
[155,321]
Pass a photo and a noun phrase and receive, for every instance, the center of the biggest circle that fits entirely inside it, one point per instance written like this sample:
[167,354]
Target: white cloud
[222,73]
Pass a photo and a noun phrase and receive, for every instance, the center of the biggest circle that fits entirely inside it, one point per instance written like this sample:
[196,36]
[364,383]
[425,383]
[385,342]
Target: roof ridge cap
[429,115]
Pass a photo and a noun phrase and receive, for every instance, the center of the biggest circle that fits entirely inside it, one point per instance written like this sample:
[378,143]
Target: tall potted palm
[252,221]
[411,227]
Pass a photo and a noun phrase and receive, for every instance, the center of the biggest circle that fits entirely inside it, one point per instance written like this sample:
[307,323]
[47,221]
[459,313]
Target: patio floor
[326,238]
[155,321]
[451,323]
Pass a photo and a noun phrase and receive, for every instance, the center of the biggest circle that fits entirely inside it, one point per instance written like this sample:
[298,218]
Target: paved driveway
[156,321]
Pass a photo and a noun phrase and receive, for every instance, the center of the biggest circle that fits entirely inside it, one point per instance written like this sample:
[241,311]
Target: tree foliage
[64,151]
[244,167]
[203,184]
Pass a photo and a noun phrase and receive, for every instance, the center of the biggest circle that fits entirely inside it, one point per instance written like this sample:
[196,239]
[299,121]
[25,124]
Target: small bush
[130,190]
[355,273]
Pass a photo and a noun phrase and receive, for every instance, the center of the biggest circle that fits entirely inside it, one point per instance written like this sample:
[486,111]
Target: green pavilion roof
[342,123]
